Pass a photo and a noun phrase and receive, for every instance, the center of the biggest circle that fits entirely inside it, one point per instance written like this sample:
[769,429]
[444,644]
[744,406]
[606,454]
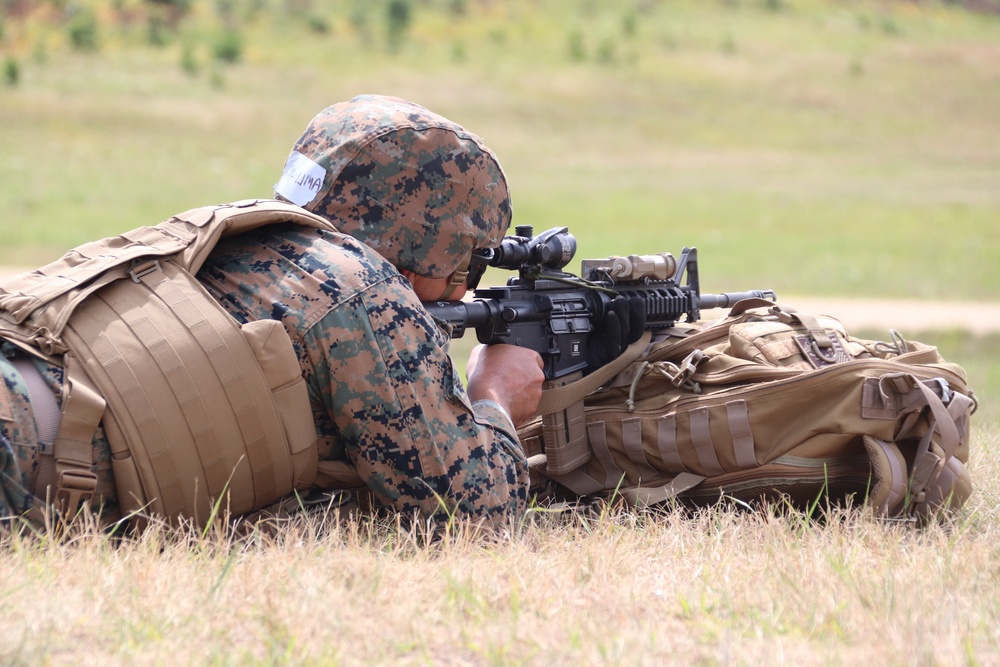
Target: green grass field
[818,148]
[848,148]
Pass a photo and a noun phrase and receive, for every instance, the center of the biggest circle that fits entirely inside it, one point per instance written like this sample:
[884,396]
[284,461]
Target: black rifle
[558,314]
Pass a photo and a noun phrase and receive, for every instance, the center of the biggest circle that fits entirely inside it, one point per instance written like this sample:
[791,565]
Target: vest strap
[82,409]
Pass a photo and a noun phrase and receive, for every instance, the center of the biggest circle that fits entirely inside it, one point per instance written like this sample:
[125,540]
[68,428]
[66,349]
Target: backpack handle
[744,305]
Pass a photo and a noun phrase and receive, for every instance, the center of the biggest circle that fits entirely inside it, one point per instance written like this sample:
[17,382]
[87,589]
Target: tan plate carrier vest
[197,409]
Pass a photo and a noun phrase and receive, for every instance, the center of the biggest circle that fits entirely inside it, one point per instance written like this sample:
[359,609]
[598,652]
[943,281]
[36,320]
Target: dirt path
[910,317]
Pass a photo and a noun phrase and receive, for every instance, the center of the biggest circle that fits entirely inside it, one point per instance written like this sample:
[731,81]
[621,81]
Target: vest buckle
[143,267]
[74,487]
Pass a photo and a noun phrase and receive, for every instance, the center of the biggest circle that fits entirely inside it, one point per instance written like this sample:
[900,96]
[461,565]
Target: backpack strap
[643,496]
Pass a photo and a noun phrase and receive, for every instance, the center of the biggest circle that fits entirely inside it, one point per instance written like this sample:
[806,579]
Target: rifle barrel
[728,299]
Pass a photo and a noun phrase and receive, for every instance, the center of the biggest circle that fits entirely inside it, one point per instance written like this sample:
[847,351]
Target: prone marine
[398,198]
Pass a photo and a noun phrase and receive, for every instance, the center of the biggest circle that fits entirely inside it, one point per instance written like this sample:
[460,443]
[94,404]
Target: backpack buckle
[943,389]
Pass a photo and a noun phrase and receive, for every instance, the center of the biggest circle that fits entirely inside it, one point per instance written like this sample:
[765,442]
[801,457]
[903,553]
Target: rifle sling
[560,398]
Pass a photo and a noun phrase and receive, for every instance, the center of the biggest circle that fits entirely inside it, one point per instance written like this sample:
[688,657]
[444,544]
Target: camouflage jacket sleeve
[386,397]
[384,377]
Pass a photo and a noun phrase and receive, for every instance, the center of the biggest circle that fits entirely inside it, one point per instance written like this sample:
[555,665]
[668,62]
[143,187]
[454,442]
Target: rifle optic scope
[552,249]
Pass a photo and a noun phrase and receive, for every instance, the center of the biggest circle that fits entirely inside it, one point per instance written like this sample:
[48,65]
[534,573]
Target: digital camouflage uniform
[385,395]
[423,193]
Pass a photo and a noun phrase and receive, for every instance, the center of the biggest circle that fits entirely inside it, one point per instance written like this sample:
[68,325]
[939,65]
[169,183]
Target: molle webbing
[198,407]
[190,403]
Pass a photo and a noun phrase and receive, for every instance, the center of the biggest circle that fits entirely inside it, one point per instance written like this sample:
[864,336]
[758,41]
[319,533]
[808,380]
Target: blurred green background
[813,147]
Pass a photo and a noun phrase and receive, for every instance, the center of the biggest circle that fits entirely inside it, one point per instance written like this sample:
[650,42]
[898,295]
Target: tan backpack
[769,404]
[197,409]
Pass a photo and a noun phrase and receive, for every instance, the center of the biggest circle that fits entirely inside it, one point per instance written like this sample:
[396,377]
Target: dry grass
[720,587]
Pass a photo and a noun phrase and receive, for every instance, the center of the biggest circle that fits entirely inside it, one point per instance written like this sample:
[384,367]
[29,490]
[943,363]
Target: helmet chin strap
[458,279]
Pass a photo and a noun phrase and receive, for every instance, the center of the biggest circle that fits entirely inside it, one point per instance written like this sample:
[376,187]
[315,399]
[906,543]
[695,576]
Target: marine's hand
[509,375]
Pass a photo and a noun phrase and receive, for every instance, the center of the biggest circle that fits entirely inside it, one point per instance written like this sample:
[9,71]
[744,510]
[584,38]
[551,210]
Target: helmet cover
[419,189]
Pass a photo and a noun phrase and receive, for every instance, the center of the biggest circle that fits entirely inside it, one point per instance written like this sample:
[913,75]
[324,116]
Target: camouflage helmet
[418,188]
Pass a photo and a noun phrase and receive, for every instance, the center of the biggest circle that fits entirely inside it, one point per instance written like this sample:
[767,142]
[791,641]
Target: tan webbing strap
[741,434]
[941,421]
[73,449]
[807,320]
[701,437]
[643,497]
[597,433]
[886,397]
[6,403]
[580,483]
[577,481]
[458,278]
[632,442]
[666,442]
[960,407]
[944,432]
[560,398]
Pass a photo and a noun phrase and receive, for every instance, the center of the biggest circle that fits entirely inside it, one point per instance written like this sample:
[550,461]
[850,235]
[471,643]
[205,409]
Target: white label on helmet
[301,179]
